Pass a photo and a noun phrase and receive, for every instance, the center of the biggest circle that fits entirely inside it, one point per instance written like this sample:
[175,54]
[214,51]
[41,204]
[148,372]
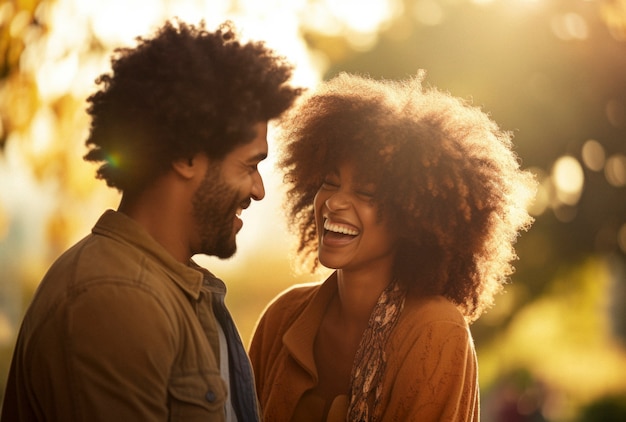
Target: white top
[224,372]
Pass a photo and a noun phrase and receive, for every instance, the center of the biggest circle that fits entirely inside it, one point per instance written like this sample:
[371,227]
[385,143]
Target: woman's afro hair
[445,175]
[184,91]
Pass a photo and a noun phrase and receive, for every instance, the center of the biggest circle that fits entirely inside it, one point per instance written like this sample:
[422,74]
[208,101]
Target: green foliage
[606,409]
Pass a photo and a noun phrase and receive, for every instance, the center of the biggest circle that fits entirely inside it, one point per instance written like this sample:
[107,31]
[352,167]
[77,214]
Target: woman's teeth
[340,228]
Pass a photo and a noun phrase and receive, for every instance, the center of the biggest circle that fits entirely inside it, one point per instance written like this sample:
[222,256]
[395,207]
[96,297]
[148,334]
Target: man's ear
[187,167]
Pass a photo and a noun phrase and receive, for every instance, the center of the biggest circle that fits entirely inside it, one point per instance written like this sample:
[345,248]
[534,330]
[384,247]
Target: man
[124,326]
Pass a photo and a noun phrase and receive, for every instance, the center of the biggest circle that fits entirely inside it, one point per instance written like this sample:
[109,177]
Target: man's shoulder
[95,256]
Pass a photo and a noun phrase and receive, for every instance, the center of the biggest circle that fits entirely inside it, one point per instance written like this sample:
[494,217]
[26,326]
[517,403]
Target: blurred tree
[18,94]
[607,409]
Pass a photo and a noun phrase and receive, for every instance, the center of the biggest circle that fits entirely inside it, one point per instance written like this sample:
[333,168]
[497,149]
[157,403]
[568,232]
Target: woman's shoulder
[297,293]
[424,310]
[429,322]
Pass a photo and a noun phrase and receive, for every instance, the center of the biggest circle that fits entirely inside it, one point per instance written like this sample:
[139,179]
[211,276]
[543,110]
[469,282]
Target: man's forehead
[253,151]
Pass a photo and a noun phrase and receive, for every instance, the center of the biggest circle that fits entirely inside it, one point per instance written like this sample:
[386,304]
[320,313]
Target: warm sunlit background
[551,71]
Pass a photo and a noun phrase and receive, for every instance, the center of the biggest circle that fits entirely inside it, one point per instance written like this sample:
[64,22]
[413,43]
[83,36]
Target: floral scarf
[370,360]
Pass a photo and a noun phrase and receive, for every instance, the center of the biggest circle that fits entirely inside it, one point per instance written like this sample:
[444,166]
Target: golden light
[113,28]
[356,21]
[568,179]
[41,131]
[360,16]
[570,26]
[428,12]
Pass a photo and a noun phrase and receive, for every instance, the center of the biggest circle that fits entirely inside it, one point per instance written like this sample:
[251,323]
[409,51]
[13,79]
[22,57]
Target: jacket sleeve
[436,378]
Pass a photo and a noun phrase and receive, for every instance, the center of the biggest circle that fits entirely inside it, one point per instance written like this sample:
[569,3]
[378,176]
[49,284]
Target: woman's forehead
[359,171]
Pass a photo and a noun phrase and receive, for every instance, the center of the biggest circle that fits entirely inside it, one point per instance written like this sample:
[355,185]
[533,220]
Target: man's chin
[225,255]
[226,251]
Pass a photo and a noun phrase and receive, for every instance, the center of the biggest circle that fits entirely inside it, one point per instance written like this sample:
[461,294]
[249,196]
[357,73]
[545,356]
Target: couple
[412,196]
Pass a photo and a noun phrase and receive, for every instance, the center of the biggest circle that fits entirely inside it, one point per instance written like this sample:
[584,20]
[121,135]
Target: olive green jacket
[118,330]
[431,371]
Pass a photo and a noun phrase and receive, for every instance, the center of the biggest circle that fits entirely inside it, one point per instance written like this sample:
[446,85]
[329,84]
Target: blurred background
[553,72]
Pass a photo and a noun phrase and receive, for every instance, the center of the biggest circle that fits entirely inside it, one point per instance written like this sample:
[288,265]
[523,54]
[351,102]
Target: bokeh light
[593,155]
[568,178]
[615,170]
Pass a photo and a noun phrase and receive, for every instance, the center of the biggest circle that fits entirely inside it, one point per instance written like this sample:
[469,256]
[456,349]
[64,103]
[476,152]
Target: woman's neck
[358,294]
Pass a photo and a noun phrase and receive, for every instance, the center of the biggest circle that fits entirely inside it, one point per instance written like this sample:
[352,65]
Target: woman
[415,199]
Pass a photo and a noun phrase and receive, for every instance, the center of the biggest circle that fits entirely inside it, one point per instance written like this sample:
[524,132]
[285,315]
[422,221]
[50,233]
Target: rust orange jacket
[431,372]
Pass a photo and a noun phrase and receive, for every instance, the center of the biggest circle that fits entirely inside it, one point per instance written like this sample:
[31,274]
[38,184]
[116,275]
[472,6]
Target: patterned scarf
[370,360]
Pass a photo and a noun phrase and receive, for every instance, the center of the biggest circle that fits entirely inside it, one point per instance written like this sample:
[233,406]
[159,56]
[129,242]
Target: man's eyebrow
[258,157]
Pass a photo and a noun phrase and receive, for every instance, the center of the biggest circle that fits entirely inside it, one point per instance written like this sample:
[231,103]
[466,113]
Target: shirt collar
[123,228]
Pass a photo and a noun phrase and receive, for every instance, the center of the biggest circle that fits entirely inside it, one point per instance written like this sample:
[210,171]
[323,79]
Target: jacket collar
[299,339]
[119,226]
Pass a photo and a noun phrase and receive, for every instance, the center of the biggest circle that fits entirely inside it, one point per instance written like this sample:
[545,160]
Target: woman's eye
[328,184]
[366,190]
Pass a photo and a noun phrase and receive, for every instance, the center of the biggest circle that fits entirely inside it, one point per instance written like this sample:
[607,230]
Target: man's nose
[258,190]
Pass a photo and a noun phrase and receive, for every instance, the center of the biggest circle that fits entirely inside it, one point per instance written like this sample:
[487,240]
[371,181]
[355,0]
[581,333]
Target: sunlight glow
[428,12]
[570,26]
[213,12]
[614,14]
[568,179]
[359,15]
[112,27]
[356,21]
[55,77]
[42,131]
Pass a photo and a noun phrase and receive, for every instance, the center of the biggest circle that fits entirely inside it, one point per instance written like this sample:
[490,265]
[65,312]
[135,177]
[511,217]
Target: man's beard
[214,207]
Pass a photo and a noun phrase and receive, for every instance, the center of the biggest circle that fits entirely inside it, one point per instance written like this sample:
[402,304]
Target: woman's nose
[337,201]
